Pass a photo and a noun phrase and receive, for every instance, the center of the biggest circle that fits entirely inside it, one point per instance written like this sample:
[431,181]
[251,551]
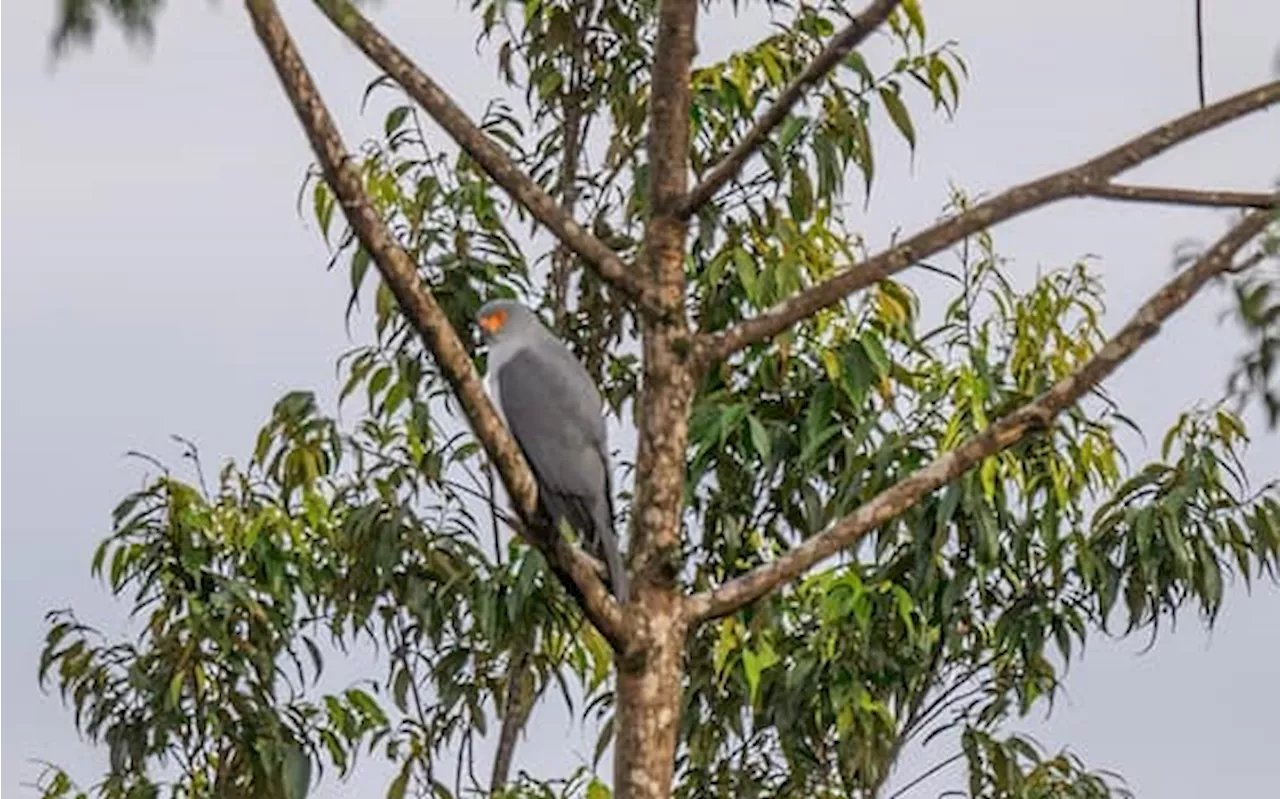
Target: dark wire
[1200,49]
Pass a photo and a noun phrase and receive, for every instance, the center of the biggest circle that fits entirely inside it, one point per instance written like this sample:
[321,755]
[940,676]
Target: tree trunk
[647,714]
[651,671]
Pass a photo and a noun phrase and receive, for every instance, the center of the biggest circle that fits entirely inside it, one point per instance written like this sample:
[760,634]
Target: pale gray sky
[160,282]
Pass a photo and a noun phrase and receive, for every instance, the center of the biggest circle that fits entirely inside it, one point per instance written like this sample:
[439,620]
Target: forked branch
[1090,179]
[424,313]
[1001,435]
[495,162]
[840,45]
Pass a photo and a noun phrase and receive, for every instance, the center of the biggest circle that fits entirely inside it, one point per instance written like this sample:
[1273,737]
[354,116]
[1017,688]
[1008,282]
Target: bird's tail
[606,546]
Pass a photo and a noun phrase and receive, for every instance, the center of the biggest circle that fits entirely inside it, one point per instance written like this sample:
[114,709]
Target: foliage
[966,610]
[77,21]
[1257,309]
[950,624]
[241,587]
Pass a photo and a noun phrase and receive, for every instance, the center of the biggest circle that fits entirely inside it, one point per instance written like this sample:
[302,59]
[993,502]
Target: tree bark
[647,713]
[650,674]
[518,701]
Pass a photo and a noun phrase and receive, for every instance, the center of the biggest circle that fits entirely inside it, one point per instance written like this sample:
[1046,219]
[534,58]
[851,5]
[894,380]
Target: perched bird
[556,416]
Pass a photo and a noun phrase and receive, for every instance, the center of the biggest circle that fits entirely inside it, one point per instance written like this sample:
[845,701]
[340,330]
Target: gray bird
[555,414]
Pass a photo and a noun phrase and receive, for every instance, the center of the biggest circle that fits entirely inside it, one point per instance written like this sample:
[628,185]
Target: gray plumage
[555,414]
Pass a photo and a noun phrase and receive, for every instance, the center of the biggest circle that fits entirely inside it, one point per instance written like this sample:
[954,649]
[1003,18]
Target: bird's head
[505,320]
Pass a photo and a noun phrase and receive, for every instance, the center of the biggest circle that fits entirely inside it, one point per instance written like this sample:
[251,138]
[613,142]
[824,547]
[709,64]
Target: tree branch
[848,38]
[1092,178]
[429,321]
[517,704]
[1174,196]
[477,144]
[999,436]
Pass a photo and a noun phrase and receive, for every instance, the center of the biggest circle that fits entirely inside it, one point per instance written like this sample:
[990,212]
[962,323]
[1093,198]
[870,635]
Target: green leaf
[314,651]
[598,790]
[745,267]
[295,772]
[602,741]
[759,438]
[946,508]
[912,9]
[360,262]
[379,382]
[898,113]
[801,198]
[863,156]
[400,784]
[175,688]
[400,689]
[858,64]
[872,345]
[322,206]
[395,118]
[790,130]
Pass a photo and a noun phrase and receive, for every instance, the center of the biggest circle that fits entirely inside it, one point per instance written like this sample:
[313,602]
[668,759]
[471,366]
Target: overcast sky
[158,281]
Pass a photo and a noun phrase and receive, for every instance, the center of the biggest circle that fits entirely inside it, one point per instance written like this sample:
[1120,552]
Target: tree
[853,526]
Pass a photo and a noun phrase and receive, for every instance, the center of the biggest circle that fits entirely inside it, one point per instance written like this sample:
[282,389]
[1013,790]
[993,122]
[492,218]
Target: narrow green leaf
[745,267]
[400,690]
[751,668]
[759,437]
[875,352]
[395,118]
[790,130]
[295,773]
[898,113]
[400,784]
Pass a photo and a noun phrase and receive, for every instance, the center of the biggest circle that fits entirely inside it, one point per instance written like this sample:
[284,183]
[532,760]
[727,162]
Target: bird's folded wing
[555,420]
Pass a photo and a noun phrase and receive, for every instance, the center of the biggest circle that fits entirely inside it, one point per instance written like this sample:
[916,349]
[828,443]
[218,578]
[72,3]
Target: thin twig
[929,772]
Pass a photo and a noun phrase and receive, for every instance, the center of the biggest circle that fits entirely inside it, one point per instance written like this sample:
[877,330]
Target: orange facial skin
[493,322]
